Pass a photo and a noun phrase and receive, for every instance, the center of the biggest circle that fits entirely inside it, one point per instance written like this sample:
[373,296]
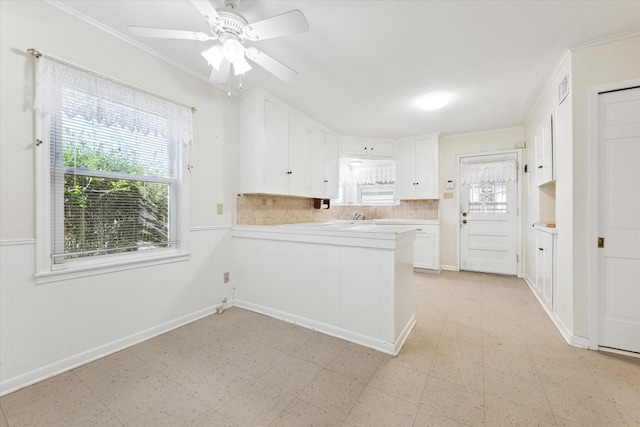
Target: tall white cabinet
[417,168]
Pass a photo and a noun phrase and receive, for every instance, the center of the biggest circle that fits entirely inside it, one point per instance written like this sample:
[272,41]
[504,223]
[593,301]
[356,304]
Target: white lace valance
[493,171]
[383,173]
[63,88]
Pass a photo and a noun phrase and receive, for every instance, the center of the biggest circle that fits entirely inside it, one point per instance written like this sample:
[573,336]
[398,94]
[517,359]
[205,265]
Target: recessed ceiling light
[432,101]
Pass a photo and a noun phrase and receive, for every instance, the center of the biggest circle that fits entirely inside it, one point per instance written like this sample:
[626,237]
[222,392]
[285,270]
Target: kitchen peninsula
[351,280]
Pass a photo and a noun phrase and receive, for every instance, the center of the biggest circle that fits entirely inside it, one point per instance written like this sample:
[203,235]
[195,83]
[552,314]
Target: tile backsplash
[264,209]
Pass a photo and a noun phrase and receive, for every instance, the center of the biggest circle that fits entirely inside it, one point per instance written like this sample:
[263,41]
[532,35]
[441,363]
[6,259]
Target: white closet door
[619,220]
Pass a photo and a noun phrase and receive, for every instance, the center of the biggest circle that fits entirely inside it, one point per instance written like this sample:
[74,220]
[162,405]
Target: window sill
[110,267]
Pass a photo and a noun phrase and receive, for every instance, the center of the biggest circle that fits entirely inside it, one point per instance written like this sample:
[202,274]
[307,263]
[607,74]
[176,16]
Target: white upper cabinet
[367,148]
[543,143]
[324,167]
[274,148]
[417,168]
[298,166]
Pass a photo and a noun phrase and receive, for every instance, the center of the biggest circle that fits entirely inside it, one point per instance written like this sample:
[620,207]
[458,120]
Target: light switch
[447,195]
[220,209]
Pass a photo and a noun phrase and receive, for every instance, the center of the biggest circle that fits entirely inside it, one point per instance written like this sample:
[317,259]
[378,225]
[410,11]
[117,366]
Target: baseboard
[334,331]
[449,267]
[426,271]
[42,373]
[566,333]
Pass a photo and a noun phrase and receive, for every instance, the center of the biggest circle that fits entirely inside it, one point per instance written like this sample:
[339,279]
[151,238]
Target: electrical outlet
[226,277]
[447,195]
[220,208]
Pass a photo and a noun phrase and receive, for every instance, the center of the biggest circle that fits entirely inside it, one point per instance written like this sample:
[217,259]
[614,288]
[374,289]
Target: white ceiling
[363,63]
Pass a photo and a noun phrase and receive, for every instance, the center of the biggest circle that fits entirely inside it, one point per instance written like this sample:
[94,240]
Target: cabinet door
[353,148]
[405,171]
[544,152]
[426,168]
[317,142]
[331,166]
[276,150]
[544,267]
[424,250]
[381,149]
[298,156]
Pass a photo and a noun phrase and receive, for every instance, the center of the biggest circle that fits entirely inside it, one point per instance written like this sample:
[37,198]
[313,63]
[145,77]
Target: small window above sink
[366,182]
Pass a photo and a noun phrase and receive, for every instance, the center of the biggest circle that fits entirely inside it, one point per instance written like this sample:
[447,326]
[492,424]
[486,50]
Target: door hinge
[601,242]
[517,259]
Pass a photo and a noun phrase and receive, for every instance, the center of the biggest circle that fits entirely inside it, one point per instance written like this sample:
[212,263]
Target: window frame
[48,271]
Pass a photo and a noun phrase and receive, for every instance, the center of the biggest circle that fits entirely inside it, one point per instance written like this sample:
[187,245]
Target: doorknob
[464,221]
[464,214]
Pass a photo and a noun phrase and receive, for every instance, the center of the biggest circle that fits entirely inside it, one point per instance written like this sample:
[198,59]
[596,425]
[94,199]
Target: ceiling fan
[232,30]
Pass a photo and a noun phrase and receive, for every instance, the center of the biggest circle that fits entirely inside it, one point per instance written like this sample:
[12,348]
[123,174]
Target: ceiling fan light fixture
[240,66]
[214,56]
[433,101]
[233,50]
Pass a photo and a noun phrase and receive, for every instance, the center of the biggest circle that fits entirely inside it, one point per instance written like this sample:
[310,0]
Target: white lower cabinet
[426,248]
[545,264]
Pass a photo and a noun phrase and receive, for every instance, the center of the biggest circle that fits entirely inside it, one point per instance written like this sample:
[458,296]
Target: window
[115,160]
[366,182]
[488,197]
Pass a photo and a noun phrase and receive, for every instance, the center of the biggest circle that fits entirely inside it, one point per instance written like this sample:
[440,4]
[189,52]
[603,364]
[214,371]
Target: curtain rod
[38,54]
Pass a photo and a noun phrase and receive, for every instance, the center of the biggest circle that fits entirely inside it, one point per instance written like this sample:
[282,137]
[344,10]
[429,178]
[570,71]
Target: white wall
[450,147]
[51,327]
[592,66]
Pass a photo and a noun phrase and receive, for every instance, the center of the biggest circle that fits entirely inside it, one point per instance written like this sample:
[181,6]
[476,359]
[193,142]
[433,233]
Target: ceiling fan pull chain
[229,84]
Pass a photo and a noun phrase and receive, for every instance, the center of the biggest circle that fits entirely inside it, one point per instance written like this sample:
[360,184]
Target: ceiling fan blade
[164,33]
[220,75]
[272,65]
[288,23]
[206,9]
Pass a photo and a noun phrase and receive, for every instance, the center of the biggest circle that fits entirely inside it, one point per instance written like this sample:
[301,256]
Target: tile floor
[483,353]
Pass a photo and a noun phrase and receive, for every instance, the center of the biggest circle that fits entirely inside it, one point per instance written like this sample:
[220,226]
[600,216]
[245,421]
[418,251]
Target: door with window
[619,219]
[489,213]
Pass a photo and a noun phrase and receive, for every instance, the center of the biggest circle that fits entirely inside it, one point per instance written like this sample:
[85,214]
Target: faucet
[357,216]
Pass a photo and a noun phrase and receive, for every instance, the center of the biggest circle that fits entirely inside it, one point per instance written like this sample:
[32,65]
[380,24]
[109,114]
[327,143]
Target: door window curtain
[478,172]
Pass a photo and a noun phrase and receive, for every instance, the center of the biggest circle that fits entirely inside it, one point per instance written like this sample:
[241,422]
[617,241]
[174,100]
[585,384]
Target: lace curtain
[373,174]
[98,99]
[493,171]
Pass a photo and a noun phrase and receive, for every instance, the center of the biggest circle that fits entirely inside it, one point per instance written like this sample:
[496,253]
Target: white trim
[17,242]
[66,364]
[111,267]
[566,333]
[593,203]
[482,132]
[334,331]
[604,40]
[209,228]
[556,69]
[519,189]
[449,268]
